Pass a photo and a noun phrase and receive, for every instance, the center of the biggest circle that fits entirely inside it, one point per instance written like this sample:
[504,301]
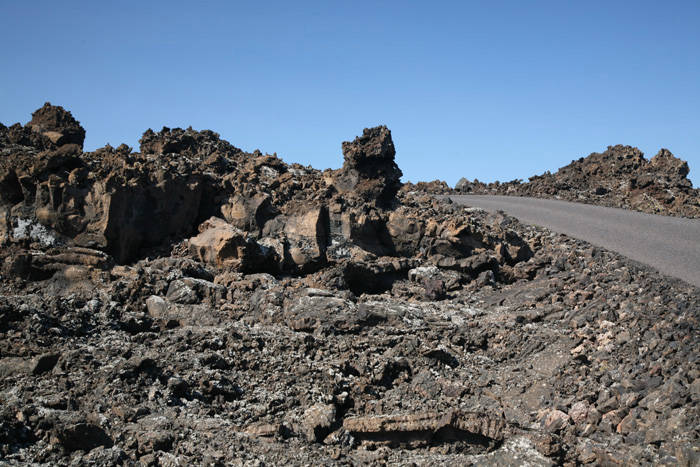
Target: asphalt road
[671,245]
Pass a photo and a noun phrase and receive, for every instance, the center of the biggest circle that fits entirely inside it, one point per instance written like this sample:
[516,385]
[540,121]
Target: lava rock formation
[194,304]
[619,177]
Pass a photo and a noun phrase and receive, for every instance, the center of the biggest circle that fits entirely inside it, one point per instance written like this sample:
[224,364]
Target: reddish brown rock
[204,146]
[619,177]
[221,244]
[307,235]
[553,420]
[369,170]
[58,125]
[301,324]
[248,213]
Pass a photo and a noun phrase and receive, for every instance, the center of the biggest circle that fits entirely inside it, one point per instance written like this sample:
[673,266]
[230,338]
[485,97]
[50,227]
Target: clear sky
[494,90]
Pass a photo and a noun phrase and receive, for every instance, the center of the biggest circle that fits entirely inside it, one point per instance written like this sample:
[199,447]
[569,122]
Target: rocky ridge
[619,177]
[195,304]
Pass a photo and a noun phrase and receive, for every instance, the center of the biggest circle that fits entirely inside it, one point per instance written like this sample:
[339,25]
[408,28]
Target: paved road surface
[671,245]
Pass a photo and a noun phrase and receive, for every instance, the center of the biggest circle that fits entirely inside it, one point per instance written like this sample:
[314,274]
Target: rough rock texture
[436,187]
[369,169]
[58,125]
[287,322]
[619,177]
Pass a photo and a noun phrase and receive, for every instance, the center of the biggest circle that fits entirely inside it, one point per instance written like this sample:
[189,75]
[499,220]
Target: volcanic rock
[307,235]
[417,429]
[193,304]
[317,421]
[45,363]
[205,146]
[220,243]
[436,187]
[58,125]
[619,177]
[82,436]
[248,213]
[369,169]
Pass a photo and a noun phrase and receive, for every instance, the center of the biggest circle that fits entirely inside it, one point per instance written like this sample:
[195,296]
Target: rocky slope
[192,304]
[619,177]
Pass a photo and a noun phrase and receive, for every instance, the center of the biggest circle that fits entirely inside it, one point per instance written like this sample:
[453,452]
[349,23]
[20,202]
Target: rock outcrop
[57,125]
[619,177]
[193,304]
[369,170]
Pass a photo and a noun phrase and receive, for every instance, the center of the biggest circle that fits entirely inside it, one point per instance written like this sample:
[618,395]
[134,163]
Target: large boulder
[406,232]
[358,227]
[307,236]
[462,185]
[314,308]
[225,246]
[248,212]
[58,125]
[222,244]
[369,169]
[666,163]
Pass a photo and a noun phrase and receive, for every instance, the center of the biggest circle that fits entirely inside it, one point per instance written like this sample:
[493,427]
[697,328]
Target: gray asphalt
[671,245]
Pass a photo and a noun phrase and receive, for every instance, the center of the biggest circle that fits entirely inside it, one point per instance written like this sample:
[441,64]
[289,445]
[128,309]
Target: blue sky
[494,90]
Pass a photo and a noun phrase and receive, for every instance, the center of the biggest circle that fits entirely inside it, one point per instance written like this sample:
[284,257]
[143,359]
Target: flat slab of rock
[419,428]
